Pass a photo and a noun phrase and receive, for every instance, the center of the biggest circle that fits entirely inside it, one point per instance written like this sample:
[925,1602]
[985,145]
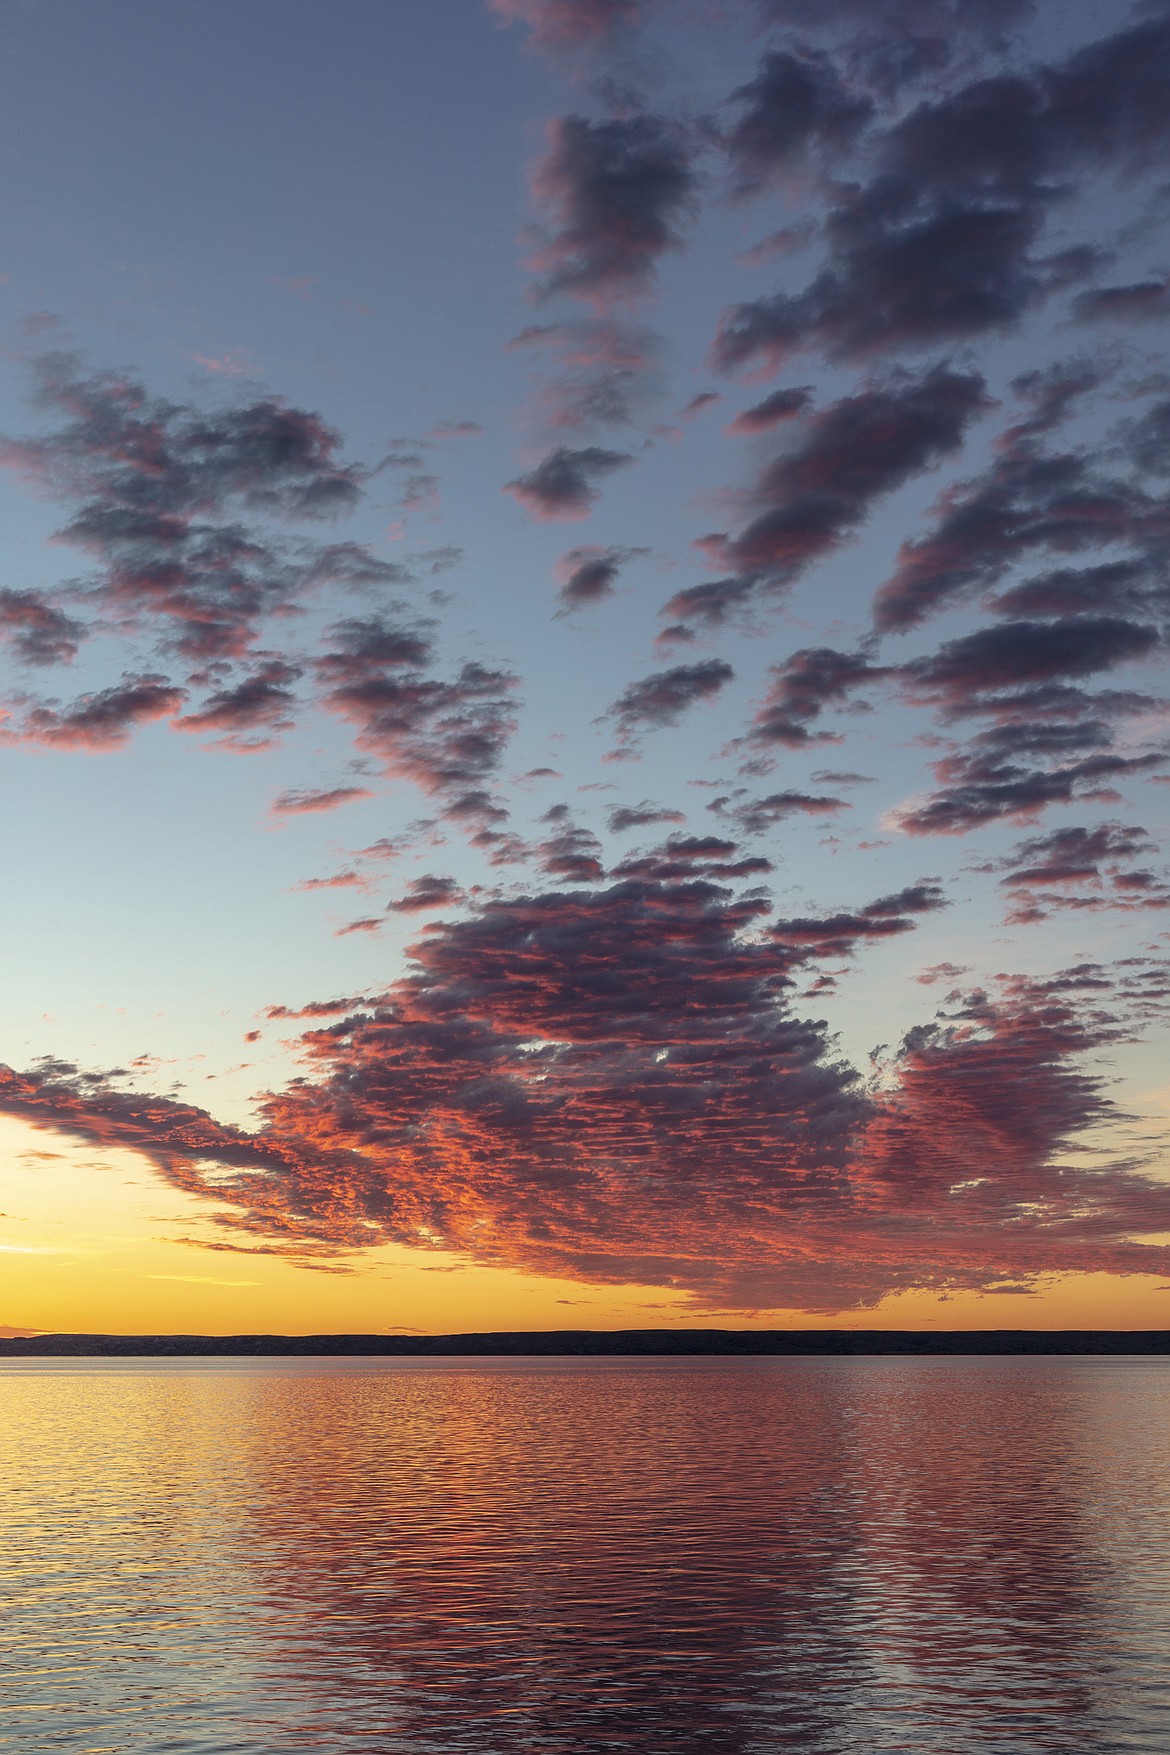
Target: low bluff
[598,1343]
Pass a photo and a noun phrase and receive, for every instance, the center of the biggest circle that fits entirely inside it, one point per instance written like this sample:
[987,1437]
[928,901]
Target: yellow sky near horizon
[93,1241]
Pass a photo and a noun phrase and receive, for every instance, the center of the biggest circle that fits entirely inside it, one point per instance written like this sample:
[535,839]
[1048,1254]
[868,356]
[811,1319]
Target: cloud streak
[662,698]
[817,493]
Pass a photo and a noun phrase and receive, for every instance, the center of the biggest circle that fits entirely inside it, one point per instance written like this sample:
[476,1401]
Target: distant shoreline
[598,1343]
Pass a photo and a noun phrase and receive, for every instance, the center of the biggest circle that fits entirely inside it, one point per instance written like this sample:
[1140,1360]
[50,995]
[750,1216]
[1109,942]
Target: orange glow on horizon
[94,1242]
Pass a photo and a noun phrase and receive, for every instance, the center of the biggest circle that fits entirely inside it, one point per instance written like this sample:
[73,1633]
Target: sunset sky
[584,729]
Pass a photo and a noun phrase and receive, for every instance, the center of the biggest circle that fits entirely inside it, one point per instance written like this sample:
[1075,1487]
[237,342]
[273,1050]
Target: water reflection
[828,1556]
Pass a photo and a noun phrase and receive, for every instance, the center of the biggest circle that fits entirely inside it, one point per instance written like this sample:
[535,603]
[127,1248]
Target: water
[830,1556]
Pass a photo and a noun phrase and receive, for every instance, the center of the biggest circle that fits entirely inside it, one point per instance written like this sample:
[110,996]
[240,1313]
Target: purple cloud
[616,194]
[819,491]
[589,574]
[564,485]
[662,698]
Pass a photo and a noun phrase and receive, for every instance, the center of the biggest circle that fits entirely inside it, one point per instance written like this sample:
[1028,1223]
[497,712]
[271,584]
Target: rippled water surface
[830,1556]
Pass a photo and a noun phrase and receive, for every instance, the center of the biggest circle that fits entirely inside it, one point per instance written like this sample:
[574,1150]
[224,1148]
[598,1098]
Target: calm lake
[831,1556]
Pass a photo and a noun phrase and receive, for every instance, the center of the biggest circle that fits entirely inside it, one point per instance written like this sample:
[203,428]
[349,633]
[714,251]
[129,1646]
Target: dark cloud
[364,646]
[714,602]
[424,893]
[1082,869]
[170,459]
[1010,1064]
[940,972]
[801,688]
[616,194]
[818,492]
[640,816]
[1016,677]
[588,574]
[1021,678]
[262,703]
[564,485]
[445,736]
[159,492]
[942,242]
[1073,855]
[1108,99]
[318,1008]
[36,631]
[178,507]
[696,405]
[983,18]
[1142,301]
[756,816]
[981,786]
[685,857]
[584,1046]
[963,673]
[773,411]
[1121,586]
[839,934]
[1031,500]
[665,695]
[376,673]
[100,721]
[352,564]
[596,374]
[888,291]
[1148,440]
[797,106]
[572,854]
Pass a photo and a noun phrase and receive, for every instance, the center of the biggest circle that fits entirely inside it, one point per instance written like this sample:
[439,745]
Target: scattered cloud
[797,108]
[662,698]
[98,722]
[565,485]
[36,631]
[299,801]
[588,574]
[817,492]
[640,816]
[616,194]
[944,240]
[424,893]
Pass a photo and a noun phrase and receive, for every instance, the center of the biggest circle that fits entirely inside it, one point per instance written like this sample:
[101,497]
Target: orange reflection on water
[831,1556]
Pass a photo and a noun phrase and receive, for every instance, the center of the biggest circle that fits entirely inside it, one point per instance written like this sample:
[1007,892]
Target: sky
[583,614]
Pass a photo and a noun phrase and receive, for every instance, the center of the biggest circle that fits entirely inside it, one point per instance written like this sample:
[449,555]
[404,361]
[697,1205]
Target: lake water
[725,1556]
